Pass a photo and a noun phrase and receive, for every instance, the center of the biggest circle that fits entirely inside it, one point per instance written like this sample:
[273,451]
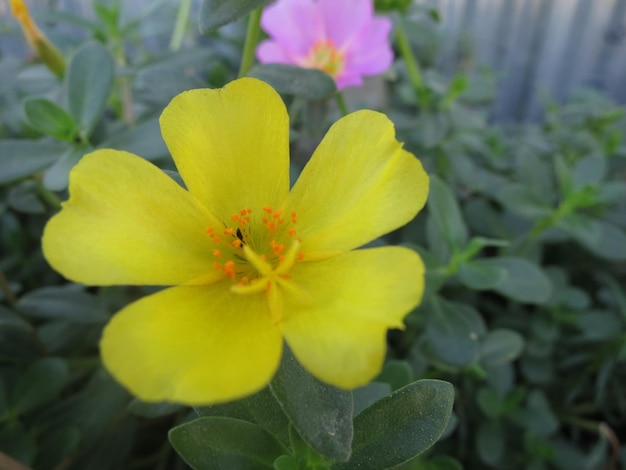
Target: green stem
[49,197]
[179,28]
[5,287]
[409,58]
[252,38]
[341,102]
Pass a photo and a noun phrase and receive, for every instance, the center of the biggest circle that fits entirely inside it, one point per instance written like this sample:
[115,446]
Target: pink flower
[340,37]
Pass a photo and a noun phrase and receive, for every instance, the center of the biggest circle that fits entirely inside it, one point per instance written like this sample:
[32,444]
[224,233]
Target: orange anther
[217,253]
[237,243]
[292,232]
[229,269]
[242,212]
[267,209]
[293,217]
[235,217]
[244,281]
[229,231]
[209,230]
[280,221]
[300,256]
[277,213]
[216,266]
[271,225]
[249,211]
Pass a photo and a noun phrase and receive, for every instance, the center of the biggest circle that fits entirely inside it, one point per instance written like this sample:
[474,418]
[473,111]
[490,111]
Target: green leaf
[500,346]
[446,215]
[260,408]
[480,274]
[224,443]
[537,416]
[368,395]
[88,84]
[20,158]
[143,139]
[601,238]
[17,339]
[68,302]
[18,443]
[519,199]
[490,442]
[598,325]
[438,462]
[56,178]
[153,410]
[40,384]
[383,6]
[286,462]
[458,85]
[452,333]
[401,426]
[590,170]
[23,197]
[321,413]
[489,402]
[396,373]
[216,13]
[49,118]
[305,83]
[430,129]
[56,446]
[523,282]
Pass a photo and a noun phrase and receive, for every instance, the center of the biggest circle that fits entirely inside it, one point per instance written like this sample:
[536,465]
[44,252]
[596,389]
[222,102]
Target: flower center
[324,55]
[256,252]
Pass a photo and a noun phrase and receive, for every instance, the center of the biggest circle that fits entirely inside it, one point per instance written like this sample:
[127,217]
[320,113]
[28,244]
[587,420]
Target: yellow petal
[359,185]
[338,331]
[231,145]
[194,345]
[127,222]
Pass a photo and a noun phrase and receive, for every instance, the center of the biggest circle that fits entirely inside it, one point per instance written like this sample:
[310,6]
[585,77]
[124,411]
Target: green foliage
[216,13]
[308,84]
[523,237]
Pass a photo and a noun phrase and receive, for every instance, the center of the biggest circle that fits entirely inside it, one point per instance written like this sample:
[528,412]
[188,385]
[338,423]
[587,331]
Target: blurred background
[533,50]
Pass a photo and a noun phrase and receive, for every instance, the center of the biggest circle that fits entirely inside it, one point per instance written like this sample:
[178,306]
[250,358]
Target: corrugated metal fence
[538,46]
[535,46]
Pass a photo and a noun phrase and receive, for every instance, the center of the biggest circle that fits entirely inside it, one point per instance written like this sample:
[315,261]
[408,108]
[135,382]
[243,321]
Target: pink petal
[345,80]
[271,52]
[371,53]
[344,19]
[295,24]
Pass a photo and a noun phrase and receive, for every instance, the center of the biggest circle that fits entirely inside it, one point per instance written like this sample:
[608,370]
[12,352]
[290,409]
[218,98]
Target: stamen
[262,266]
[252,288]
[289,259]
[229,269]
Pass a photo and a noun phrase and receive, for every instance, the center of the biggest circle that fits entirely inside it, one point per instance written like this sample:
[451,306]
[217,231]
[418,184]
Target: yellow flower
[251,261]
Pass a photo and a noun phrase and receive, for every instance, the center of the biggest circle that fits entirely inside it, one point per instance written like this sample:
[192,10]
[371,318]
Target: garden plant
[248,234]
